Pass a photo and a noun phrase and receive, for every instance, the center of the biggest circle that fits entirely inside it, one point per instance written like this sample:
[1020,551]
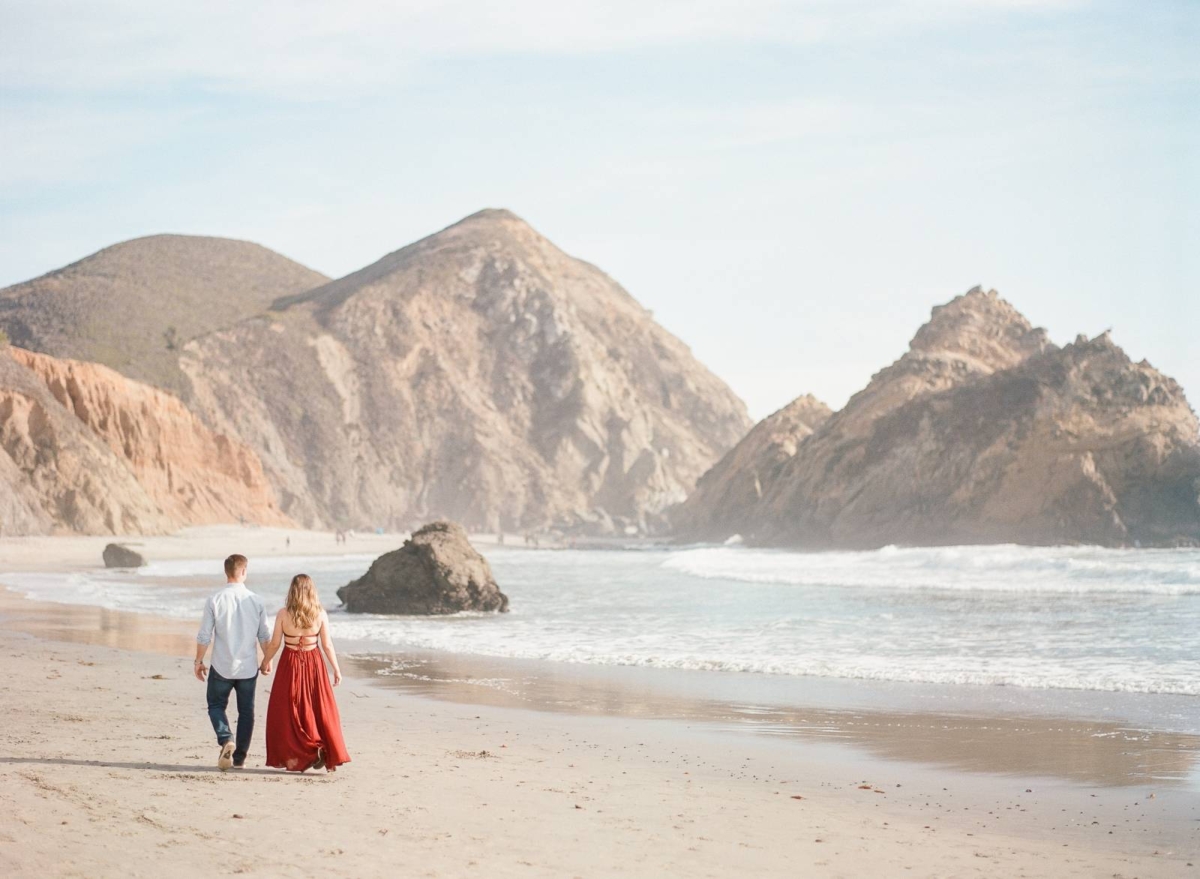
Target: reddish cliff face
[86,449]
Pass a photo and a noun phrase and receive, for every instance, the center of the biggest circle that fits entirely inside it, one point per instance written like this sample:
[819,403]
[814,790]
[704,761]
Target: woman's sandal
[320,761]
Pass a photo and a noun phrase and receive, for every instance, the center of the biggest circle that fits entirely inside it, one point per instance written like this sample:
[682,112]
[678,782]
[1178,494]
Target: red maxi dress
[302,715]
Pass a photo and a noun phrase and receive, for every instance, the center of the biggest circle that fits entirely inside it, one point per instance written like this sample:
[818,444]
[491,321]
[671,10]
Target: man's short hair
[235,566]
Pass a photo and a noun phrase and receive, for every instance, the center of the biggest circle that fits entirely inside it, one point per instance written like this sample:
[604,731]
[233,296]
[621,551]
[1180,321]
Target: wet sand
[108,769]
[1103,753]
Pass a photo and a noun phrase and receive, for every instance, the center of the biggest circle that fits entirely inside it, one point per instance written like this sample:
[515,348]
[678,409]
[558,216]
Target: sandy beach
[108,768]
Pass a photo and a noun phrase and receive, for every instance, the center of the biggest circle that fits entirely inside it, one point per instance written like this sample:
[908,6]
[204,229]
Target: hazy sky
[790,186]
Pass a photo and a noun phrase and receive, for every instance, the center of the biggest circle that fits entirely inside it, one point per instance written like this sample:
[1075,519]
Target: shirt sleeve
[207,622]
[264,633]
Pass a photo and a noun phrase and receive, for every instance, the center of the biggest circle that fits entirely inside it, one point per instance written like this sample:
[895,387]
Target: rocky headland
[983,432]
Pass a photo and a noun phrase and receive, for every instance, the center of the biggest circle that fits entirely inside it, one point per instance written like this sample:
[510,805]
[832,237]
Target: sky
[789,186]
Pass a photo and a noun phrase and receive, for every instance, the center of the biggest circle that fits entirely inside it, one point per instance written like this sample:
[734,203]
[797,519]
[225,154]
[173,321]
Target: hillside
[134,305]
[479,374]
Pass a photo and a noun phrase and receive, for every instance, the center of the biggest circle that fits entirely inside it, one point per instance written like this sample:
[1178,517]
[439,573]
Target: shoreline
[942,733]
[441,785]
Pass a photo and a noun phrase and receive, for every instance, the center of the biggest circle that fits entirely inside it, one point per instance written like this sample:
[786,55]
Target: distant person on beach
[304,728]
[234,623]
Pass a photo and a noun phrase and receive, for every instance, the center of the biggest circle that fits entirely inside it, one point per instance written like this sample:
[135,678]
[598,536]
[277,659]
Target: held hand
[200,670]
[265,668]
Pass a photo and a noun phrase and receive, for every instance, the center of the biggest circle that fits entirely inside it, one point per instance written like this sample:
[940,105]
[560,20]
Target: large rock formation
[437,571]
[985,432]
[480,374]
[134,305]
[83,448]
[734,485]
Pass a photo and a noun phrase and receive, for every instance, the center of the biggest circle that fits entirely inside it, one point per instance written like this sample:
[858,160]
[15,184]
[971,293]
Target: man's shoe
[239,764]
[226,758]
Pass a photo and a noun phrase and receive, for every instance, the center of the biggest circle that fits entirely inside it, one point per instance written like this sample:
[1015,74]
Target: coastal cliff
[82,448]
[985,432]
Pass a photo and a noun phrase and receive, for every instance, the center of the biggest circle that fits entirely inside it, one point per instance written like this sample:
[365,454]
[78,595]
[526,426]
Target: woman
[304,730]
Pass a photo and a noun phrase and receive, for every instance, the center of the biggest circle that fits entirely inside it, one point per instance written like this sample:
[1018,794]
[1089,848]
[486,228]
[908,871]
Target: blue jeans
[219,689]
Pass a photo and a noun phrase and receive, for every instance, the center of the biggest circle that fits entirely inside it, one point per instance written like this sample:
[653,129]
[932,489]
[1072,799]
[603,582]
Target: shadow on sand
[152,767]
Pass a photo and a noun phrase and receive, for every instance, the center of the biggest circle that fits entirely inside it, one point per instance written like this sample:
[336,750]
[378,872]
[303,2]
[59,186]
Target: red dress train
[302,715]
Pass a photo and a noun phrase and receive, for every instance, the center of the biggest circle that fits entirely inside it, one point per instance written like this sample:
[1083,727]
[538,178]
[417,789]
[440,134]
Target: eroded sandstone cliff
[86,449]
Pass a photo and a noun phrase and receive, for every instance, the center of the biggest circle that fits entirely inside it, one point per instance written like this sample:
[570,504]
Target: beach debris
[236,815]
[797,797]
[157,678]
[435,572]
[117,556]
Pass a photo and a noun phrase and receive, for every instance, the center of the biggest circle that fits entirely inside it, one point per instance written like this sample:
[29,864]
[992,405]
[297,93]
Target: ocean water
[1065,618]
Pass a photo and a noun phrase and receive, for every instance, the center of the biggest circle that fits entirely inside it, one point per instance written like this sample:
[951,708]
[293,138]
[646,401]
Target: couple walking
[304,730]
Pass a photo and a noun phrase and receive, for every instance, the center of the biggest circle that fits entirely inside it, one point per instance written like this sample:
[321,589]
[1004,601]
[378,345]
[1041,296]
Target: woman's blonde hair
[303,603]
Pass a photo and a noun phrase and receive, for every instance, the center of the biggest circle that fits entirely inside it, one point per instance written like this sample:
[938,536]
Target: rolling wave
[1002,568]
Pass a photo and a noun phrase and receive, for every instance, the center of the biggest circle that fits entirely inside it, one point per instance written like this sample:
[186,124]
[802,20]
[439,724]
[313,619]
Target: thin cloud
[313,48]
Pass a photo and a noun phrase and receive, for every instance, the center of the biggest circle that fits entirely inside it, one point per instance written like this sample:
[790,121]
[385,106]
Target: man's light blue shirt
[234,622]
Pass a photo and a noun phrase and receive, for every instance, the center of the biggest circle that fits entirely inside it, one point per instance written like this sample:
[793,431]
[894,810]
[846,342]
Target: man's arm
[264,632]
[203,639]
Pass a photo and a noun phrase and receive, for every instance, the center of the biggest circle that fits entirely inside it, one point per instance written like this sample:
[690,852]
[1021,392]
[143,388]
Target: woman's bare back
[297,638]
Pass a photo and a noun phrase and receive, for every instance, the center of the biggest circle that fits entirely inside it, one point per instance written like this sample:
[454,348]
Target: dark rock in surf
[117,556]
[437,571]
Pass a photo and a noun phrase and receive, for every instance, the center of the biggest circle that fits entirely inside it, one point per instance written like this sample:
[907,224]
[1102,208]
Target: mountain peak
[981,327]
[491,215]
[487,221]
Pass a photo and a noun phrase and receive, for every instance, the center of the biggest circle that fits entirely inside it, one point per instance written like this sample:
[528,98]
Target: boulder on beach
[117,556]
[437,571]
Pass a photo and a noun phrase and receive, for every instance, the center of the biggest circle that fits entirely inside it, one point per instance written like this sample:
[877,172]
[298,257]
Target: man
[235,623]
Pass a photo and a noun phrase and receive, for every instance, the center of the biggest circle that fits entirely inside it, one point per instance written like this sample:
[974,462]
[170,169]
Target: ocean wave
[1003,568]
[882,616]
[1183,679]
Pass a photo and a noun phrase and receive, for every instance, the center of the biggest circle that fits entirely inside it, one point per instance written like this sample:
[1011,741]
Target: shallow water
[1061,618]
[1068,663]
